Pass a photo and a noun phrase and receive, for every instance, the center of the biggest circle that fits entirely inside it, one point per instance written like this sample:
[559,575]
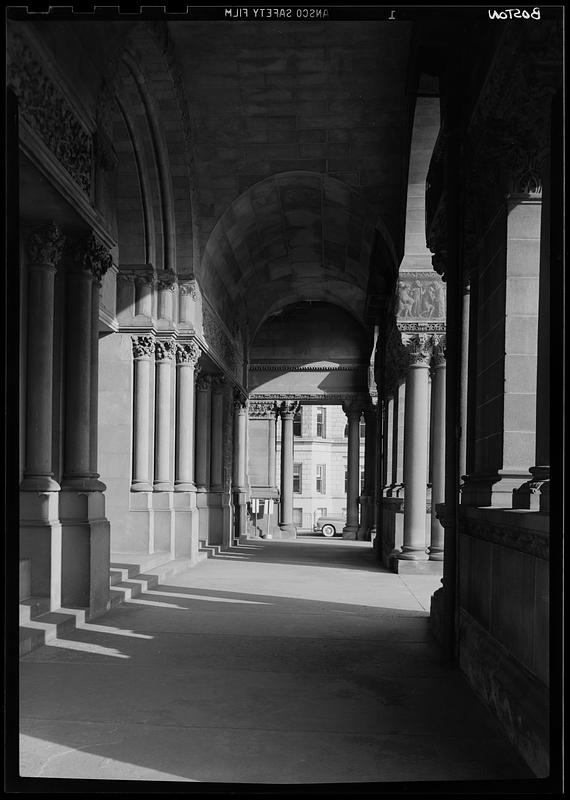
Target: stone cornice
[312,399]
[266,366]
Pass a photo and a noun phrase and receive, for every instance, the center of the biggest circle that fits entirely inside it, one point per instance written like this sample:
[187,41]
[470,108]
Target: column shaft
[416,458]
[217,439]
[438,457]
[240,417]
[353,465]
[143,353]
[287,414]
[186,357]
[203,416]
[38,474]
[163,434]
[272,452]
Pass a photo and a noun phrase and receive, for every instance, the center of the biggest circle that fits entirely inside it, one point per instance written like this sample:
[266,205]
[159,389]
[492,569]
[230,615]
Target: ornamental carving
[259,409]
[288,408]
[418,348]
[45,245]
[89,255]
[164,350]
[45,109]
[140,277]
[187,353]
[143,346]
[203,383]
[535,543]
[420,296]
[218,340]
[218,383]
[240,400]
[165,281]
[439,352]
[188,287]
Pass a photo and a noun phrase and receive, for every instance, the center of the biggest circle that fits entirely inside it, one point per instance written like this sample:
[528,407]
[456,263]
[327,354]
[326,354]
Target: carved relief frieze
[45,245]
[535,543]
[262,409]
[143,346]
[323,366]
[219,341]
[188,353]
[48,113]
[421,296]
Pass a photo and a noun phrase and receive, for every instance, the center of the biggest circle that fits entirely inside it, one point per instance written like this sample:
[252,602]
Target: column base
[181,486]
[142,486]
[39,483]
[425,567]
[288,531]
[163,486]
[534,495]
[349,531]
[435,555]
[82,483]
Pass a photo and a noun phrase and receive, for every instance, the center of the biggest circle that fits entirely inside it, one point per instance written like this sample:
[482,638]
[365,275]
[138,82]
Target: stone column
[273,451]
[203,415]
[164,356]
[187,355]
[437,447]
[88,261]
[217,438]
[388,443]
[239,464]
[45,247]
[464,386]
[287,411]
[143,355]
[353,413]
[240,420]
[367,499]
[416,423]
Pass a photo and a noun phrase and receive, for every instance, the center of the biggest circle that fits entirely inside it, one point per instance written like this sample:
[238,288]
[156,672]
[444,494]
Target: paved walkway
[274,663]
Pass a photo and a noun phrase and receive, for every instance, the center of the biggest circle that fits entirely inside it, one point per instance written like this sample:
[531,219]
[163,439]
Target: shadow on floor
[238,688]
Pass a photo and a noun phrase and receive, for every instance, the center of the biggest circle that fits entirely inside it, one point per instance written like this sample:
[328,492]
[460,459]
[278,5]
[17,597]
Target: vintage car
[329,526]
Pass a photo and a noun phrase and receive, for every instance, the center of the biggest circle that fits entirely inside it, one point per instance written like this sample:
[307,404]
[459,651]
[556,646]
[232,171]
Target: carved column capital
[288,408]
[203,382]
[419,348]
[88,255]
[187,353]
[218,382]
[143,347]
[164,350]
[45,245]
[188,285]
[240,400]
[353,410]
[439,350]
[165,281]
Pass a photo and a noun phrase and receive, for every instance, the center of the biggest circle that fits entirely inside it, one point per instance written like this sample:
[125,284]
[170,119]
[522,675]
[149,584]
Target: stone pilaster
[437,439]
[353,413]
[165,352]
[287,411]
[165,286]
[187,355]
[44,251]
[367,498]
[239,464]
[143,356]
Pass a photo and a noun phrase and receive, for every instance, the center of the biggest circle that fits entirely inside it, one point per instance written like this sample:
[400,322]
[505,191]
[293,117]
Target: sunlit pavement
[278,662]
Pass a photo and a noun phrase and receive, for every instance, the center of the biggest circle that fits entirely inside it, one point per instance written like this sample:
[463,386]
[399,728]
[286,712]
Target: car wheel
[328,531]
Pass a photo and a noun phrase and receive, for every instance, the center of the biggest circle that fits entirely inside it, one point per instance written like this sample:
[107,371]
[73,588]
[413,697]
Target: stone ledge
[517,529]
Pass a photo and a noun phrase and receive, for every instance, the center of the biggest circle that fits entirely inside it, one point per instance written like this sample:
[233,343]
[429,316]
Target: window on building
[298,478]
[297,423]
[321,512]
[321,479]
[321,422]
[298,517]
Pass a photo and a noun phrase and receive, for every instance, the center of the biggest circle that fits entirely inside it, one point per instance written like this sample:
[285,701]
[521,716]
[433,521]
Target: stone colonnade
[413,451]
[64,533]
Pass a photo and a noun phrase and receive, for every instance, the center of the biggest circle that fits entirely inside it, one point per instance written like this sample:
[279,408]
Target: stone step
[211,550]
[45,628]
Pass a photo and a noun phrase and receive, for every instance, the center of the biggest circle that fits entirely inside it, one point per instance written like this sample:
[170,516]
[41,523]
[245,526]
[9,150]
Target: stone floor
[277,663]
